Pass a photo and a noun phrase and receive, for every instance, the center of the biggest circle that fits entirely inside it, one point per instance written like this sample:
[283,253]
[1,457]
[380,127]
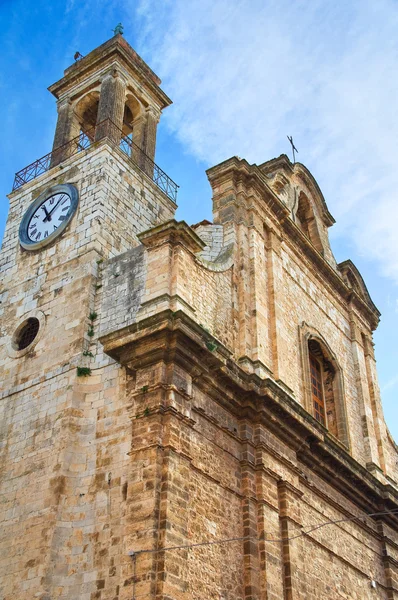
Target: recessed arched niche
[306,221]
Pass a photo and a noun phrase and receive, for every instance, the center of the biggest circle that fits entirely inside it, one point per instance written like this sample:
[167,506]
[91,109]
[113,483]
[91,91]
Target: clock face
[48,216]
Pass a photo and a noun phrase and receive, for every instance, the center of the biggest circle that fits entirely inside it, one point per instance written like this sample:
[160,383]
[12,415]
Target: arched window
[318,400]
[323,384]
[322,375]
[305,219]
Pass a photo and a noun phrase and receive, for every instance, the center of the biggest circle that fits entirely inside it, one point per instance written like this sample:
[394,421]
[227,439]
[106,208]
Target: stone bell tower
[70,211]
[108,92]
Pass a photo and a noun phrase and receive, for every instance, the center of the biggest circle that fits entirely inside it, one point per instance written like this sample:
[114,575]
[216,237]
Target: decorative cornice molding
[175,337]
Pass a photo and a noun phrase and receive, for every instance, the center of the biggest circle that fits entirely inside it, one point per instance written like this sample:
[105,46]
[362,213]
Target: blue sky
[242,74]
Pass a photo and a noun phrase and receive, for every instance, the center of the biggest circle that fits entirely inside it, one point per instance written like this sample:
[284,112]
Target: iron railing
[43,164]
[105,129]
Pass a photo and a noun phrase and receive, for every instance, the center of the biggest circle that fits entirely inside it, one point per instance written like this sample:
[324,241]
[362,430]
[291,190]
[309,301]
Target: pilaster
[152,120]
[362,384]
[67,128]
[111,106]
[274,267]
[291,527]
[251,557]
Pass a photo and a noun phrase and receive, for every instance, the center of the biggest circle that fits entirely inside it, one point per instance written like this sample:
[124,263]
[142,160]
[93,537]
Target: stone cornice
[172,232]
[175,337]
[115,49]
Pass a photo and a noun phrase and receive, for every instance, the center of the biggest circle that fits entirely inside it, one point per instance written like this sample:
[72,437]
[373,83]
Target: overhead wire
[263,538]
[134,554]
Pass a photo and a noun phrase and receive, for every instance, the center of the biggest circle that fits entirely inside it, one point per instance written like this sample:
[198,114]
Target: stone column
[152,121]
[67,128]
[148,141]
[111,107]
[137,151]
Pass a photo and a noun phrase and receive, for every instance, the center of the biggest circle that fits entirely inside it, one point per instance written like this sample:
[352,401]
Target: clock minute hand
[48,218]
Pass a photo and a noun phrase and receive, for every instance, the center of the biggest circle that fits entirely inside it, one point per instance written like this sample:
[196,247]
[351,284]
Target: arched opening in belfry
[86,113]
[305,219]
[133,128]
[132,118]
[128,118]
[323,386]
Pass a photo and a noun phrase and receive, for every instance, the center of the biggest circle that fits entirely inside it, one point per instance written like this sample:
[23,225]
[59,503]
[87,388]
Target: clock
[47,217]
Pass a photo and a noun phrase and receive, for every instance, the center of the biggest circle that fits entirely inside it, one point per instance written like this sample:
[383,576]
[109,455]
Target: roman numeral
[55,227]
[65,208]
[38,236]
[34,231]
[46,234]
[52,200]
[64,200]
[62,217]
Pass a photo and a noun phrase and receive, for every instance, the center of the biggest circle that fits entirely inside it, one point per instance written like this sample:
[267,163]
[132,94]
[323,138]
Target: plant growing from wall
[209,340]
[83,371]
[212,346]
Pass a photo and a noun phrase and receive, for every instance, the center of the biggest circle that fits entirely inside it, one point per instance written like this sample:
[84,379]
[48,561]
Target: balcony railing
[105,129]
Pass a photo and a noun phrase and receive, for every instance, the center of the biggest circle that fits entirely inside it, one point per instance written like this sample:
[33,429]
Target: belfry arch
[86,113]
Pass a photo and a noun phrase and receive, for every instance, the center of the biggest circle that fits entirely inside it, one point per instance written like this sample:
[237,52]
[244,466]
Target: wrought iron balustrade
[105,129]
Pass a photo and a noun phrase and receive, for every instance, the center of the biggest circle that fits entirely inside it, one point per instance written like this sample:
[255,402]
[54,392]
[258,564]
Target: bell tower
[71,211]
[111,92]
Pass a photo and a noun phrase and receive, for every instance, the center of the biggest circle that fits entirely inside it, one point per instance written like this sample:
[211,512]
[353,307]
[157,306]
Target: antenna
[294,149]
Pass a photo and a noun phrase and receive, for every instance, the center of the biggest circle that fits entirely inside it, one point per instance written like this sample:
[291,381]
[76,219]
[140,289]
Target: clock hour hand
[48,215]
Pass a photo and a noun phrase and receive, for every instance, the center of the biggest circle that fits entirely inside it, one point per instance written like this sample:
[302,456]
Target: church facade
[187,412]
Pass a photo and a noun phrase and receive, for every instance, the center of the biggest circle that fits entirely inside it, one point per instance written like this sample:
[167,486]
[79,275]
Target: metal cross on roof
[294,149]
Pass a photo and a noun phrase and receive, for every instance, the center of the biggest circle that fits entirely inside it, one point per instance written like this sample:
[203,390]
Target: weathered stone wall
[55,470]
[191,442]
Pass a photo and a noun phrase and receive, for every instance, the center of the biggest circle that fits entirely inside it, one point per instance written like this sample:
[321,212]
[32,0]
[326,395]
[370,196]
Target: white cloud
[391,383]
[244,73]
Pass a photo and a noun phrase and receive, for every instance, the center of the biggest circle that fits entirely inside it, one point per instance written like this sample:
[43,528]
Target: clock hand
[48,215]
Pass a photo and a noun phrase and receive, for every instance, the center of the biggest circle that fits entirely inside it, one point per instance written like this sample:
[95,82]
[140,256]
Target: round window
[26,333]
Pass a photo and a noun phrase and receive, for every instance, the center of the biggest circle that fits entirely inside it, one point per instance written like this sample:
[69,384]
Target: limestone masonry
[166,385]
